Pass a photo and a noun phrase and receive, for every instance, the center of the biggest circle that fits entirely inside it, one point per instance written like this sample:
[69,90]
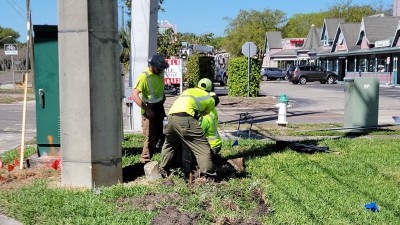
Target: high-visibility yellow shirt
[151,87]
[209,123]
[193,101]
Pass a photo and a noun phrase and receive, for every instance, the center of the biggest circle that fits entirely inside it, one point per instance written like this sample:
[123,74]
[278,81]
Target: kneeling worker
[209,123]
[183,126]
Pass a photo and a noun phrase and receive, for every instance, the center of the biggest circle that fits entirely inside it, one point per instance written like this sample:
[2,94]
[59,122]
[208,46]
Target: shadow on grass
[132,172]
[256,151]
[365,132]
[266,118]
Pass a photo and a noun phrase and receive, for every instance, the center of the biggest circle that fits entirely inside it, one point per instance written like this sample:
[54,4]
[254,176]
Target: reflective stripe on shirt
[216,134]
[151,90]
[197,100]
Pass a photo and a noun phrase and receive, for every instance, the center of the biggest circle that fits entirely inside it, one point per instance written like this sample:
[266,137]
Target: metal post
[122,15]
[248,73]
[25,79]
[13,72]
[355,64]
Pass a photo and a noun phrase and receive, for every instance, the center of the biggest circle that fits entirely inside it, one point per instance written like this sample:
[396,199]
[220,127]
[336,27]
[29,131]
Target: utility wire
[22,10]
[17,8]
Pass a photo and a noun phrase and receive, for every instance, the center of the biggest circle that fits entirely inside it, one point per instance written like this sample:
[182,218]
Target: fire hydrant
[282,113]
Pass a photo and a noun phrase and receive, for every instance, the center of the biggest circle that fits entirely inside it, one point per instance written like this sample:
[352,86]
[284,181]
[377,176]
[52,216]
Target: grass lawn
[279,187]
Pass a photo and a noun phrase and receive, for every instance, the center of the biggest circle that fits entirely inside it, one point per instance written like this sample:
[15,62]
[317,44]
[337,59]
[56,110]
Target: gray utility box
[361,102]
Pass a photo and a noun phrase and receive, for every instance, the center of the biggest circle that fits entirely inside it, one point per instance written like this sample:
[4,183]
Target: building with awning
[370,48]
[280,52]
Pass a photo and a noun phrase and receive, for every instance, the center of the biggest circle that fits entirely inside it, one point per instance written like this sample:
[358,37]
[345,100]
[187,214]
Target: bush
[238,71]
[199,67]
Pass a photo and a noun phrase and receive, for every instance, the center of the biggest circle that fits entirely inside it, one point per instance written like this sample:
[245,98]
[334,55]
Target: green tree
[351,12]
[125,41]
[6,32]
[168,43]
[125,34]
[299,24]
[251,26]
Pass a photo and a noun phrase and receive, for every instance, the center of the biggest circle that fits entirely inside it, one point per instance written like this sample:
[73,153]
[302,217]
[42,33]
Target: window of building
[351,64]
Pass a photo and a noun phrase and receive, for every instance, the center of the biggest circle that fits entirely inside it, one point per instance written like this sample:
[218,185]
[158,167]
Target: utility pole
[25,78]
[122,15]
[90,110]
[28,26]
[143,46]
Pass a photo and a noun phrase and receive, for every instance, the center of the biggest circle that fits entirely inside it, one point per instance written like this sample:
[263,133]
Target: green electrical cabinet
[45,54]
[361,102]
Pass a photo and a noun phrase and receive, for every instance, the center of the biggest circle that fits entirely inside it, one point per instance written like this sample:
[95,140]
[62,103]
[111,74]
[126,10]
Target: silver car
[272,73]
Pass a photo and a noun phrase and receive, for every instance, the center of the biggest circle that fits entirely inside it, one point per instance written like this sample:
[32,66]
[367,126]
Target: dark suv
[310,73]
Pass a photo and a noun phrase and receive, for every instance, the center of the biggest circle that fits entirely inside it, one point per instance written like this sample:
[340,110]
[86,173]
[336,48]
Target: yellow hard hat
[205,84]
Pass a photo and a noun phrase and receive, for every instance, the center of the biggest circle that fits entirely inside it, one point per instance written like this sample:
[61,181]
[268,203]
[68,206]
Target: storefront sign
[297,42]
[380,44]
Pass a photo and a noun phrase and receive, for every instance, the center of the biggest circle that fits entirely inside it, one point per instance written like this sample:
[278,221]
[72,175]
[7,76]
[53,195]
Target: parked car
[310,73]
[272,73]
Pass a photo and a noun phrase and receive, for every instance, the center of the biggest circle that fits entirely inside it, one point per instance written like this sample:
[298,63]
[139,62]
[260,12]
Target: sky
[192,16]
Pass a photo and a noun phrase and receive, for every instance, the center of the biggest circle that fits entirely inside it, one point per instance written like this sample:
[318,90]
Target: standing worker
[183,126]
[149,95]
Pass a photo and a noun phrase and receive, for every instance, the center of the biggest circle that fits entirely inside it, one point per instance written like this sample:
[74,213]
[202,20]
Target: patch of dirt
[262,208]
[237,221]
[151,201]
[20,178]
[170,215]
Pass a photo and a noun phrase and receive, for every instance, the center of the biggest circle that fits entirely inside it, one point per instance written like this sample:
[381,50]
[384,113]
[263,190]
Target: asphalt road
[324,103]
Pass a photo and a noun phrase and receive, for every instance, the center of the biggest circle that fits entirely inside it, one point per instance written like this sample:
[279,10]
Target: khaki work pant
[153,131]
[185,129]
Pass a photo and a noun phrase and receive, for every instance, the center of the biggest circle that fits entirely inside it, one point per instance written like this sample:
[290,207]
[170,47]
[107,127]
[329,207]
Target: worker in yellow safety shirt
[183,126]
[148,94]
[209,123]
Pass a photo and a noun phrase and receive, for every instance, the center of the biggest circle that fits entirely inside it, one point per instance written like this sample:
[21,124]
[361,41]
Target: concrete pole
[143,44]
[90,106]
[13,72]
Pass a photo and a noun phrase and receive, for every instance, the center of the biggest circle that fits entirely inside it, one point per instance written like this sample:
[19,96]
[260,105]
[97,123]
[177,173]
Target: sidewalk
[11,140]
[4,220]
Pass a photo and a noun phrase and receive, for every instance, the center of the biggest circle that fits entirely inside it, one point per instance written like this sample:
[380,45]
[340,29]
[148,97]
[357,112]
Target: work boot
[238,164]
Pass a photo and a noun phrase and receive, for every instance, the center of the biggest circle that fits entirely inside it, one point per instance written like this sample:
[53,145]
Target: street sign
[10,49]
[249,49]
